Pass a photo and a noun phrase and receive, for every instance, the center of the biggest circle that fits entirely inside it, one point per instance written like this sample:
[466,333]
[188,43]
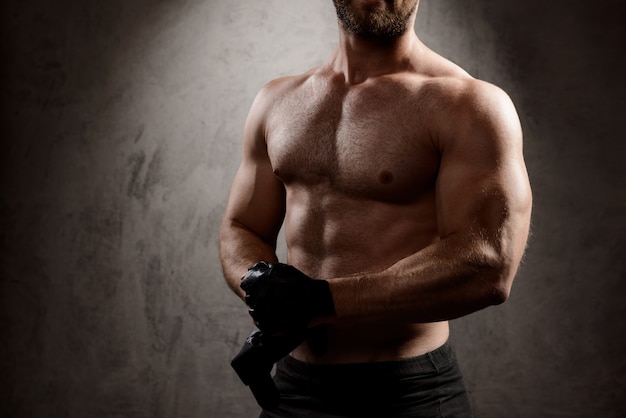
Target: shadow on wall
[561,65]
[113,185]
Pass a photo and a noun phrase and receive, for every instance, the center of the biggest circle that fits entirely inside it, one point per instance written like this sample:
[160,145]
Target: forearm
[446,280]
[240,248]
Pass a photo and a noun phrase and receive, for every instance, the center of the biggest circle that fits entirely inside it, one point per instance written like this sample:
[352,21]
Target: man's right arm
[256,206]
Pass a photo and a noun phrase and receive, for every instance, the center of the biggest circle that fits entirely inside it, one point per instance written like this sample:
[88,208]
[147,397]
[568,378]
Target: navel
[385,177]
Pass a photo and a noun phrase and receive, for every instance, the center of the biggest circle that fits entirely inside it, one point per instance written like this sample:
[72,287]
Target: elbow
[495,288]
[497,278]
[499,292]
[501,280]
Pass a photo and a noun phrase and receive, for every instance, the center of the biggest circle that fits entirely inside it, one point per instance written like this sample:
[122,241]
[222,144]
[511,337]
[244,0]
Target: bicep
[483,188]
[256,201]
[257,197]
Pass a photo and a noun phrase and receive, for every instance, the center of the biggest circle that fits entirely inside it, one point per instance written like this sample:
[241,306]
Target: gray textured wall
[120,135]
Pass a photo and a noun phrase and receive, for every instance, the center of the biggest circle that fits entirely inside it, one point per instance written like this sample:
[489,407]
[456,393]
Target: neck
[360,58]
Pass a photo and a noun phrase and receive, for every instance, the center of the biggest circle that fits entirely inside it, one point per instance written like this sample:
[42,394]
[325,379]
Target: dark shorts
[426,386]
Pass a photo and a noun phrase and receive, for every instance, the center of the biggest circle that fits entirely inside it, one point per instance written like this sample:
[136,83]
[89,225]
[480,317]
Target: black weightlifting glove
[284,299]
[254,363]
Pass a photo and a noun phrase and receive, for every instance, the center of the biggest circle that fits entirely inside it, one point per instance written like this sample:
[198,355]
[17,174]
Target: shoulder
[281,88]
[269,96]
[466,94]
[467,107]
[454,90]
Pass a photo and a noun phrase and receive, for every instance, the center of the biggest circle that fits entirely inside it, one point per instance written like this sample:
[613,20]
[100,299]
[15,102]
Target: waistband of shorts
[432,361]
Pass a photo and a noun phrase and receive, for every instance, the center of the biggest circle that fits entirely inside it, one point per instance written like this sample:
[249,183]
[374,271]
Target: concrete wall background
[120,134]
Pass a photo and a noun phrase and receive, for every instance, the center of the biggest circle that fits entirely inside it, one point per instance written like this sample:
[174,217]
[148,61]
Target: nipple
[385,177]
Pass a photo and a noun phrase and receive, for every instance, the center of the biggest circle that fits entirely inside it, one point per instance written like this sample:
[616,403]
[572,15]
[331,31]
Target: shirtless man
[403,189]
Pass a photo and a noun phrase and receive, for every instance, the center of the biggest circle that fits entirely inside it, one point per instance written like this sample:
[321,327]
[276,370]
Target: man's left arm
[483,206]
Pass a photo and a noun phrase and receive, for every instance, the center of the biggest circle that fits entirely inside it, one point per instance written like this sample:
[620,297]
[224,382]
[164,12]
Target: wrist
[321,300]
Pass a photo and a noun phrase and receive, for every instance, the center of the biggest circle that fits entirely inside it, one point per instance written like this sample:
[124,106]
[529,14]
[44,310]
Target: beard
[376,22]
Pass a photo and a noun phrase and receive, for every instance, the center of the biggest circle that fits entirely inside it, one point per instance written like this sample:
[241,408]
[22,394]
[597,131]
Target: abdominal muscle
[346,237]
[370,341]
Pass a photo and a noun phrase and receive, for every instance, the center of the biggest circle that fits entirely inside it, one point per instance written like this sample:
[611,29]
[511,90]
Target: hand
[284,299]
[254,363]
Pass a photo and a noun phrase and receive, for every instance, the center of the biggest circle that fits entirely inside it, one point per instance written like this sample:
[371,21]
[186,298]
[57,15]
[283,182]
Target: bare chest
[368,142]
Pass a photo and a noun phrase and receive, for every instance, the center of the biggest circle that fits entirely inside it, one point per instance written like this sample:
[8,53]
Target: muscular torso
[359,164]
